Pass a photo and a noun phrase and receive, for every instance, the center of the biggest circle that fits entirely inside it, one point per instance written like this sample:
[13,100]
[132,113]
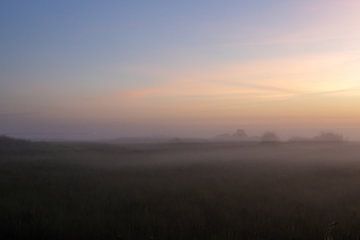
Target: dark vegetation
[179,191]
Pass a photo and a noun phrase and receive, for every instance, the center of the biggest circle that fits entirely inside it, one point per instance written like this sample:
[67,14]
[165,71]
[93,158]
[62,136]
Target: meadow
[180,191]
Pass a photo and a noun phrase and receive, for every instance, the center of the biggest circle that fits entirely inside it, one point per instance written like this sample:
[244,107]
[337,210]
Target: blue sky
[64,63]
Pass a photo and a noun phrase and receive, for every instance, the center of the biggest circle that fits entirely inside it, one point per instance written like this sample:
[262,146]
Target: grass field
[179,191]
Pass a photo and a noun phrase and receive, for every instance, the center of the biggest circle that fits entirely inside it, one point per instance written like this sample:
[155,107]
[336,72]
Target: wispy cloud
[185,89]
[16,114]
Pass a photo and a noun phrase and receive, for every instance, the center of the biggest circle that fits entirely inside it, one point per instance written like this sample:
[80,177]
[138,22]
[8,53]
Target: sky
[102,69]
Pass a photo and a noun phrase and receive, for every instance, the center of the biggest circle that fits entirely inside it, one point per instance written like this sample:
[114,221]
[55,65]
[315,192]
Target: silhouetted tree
[329,137]
[9,143]
[240,133]
[269,137]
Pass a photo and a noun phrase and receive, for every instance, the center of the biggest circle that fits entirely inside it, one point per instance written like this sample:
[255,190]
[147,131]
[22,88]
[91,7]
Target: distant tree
[176,140]
[7,140]
[269,137]
[240,133]
[329,137]
[7,143]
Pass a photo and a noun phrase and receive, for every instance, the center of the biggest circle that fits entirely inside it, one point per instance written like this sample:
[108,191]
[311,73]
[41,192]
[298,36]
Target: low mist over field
[231,190]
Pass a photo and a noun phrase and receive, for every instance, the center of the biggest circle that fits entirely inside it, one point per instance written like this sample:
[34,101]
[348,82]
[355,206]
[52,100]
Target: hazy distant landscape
[180,120]
[208,190]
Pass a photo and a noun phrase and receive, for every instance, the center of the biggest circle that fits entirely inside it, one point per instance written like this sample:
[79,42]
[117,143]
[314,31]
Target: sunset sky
[103,69]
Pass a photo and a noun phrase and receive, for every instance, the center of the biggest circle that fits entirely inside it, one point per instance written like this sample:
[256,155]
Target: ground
[180,191]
